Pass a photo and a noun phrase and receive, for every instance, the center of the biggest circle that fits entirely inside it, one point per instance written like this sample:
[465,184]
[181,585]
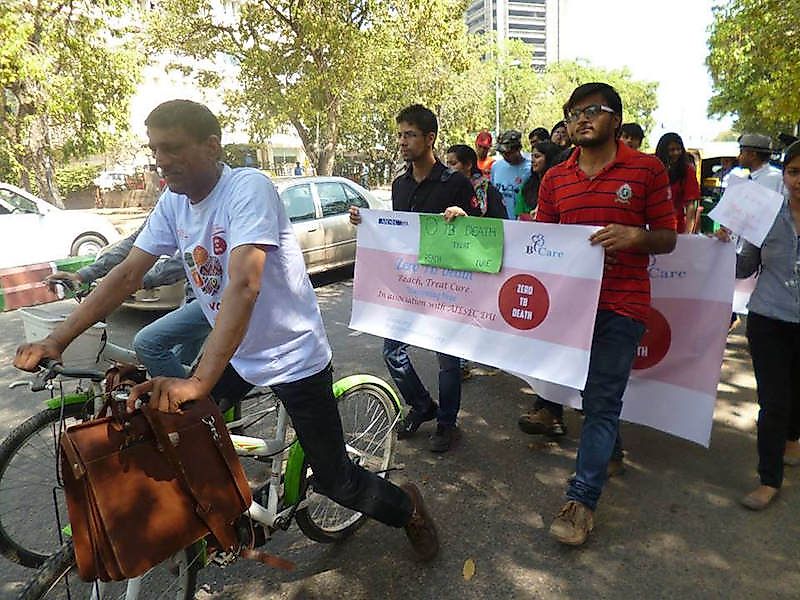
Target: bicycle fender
[342,385]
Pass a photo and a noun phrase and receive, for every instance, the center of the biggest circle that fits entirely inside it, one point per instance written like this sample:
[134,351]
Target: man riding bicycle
[245,267]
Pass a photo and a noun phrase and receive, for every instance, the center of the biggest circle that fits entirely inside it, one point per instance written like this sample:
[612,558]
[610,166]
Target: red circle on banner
[523,301]
[655,342]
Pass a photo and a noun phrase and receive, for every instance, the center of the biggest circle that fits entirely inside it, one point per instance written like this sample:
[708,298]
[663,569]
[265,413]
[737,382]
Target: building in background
[535,22]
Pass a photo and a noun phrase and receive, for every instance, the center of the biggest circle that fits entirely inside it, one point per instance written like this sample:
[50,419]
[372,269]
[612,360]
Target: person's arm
[123,280]
[165,272]
[748,260]
[246,264]
[115,254]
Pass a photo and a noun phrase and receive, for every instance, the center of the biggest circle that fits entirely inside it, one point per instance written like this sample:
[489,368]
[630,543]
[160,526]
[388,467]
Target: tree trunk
[41,163]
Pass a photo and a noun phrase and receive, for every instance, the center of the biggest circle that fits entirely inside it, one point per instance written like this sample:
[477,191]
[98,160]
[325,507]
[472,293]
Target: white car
[34,231]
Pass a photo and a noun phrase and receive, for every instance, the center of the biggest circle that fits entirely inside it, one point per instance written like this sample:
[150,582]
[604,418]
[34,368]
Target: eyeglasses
[404,135]
[591,112]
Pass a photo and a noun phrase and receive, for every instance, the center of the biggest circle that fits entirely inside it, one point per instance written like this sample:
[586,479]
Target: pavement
[670,527]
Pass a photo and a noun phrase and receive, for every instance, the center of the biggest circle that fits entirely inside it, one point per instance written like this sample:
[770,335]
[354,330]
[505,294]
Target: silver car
[318,208]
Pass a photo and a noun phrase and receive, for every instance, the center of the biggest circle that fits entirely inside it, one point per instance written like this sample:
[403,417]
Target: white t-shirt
[285,340]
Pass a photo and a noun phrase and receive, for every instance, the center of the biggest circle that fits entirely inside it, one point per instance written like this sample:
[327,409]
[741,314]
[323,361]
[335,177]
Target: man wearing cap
[483,143]
[510,173]
[754,152]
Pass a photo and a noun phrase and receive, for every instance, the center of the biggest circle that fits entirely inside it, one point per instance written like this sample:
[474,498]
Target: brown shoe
[420,529]
[542,422]
[615,467]
[572,524]
[760,498]
[791,453]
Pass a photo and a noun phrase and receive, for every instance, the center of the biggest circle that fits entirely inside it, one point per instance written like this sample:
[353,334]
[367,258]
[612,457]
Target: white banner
[534,317]
[673,386]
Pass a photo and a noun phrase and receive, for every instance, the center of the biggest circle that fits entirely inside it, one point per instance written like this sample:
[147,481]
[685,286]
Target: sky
[658,40]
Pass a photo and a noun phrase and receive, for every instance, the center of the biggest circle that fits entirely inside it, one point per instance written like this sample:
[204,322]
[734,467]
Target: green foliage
[67,72]
[235,155]
[75,179]
[340,70]
[754,49]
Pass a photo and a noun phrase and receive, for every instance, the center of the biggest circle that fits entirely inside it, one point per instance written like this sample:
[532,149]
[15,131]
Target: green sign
[463,244]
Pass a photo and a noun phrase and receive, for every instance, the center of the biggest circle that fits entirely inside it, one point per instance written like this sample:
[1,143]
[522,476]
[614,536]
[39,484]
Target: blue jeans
[614,344]
[167,344]
[315,416]
[414,392]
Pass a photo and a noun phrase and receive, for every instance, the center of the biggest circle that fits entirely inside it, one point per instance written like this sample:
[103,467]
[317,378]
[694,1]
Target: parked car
[111,180]
[34,231]
[318,208]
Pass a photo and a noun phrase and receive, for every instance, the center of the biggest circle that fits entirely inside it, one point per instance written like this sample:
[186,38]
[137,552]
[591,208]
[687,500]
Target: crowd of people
[586,169]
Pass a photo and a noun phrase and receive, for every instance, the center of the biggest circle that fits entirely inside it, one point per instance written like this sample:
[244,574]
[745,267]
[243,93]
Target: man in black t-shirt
[427,186]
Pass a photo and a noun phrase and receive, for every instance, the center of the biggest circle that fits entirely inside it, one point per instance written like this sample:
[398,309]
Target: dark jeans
[613,350]
[414,392]
[558,411]
[315,417]
[775,350]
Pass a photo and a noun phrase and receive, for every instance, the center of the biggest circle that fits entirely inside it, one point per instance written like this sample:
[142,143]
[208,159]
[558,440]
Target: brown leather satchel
[141,487]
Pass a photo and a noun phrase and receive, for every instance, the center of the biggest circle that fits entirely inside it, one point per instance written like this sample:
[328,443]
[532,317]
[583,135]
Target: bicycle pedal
[221,558]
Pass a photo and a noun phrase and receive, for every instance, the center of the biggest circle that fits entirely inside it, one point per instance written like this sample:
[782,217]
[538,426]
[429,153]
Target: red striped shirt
[631,190]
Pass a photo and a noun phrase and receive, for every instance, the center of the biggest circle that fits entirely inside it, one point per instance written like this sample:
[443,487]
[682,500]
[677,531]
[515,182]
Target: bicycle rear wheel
[174,579]
[368,416]
[29,490]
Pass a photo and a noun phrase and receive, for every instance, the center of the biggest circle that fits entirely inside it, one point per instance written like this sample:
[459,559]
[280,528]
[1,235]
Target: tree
[754,47]
[334,69]
[66,75]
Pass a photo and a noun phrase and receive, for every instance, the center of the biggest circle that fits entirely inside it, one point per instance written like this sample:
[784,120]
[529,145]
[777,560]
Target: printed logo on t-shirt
[206,270]
[624,194]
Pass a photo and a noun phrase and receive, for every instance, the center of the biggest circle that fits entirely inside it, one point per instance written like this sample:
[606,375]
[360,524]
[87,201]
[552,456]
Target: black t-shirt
[440,189]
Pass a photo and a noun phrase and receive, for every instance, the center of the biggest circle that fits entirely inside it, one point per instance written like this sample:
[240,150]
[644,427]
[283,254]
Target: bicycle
[29,488]
[369,409]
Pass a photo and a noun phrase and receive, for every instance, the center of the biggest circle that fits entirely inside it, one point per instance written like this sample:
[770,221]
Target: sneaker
[542,422]
[420,529]
[572,524]
[444,438]
[409,424]
[616,466]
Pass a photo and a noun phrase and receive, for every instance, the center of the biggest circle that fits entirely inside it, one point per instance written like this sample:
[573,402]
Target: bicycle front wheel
[30,496]
[174,579]
[368,416]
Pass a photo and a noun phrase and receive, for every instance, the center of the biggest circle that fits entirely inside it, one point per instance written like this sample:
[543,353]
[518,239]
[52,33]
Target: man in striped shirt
[626,193]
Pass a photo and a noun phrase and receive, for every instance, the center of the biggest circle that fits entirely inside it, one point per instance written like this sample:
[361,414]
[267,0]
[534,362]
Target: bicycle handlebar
[52,368]
[77,290]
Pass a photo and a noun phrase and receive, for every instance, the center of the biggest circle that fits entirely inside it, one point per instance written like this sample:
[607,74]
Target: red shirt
[632,190]
[683,191]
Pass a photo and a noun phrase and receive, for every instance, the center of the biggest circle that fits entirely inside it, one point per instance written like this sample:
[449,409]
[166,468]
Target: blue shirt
[509,179]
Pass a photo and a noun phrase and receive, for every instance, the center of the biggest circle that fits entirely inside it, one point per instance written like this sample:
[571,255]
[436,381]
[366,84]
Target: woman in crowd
[773,332]
[544,156]
[682,175]
[463,158]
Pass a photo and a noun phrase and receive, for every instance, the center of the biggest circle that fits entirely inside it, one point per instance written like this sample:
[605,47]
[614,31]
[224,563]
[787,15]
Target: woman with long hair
[463,158]
[544,156]
[682,175]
